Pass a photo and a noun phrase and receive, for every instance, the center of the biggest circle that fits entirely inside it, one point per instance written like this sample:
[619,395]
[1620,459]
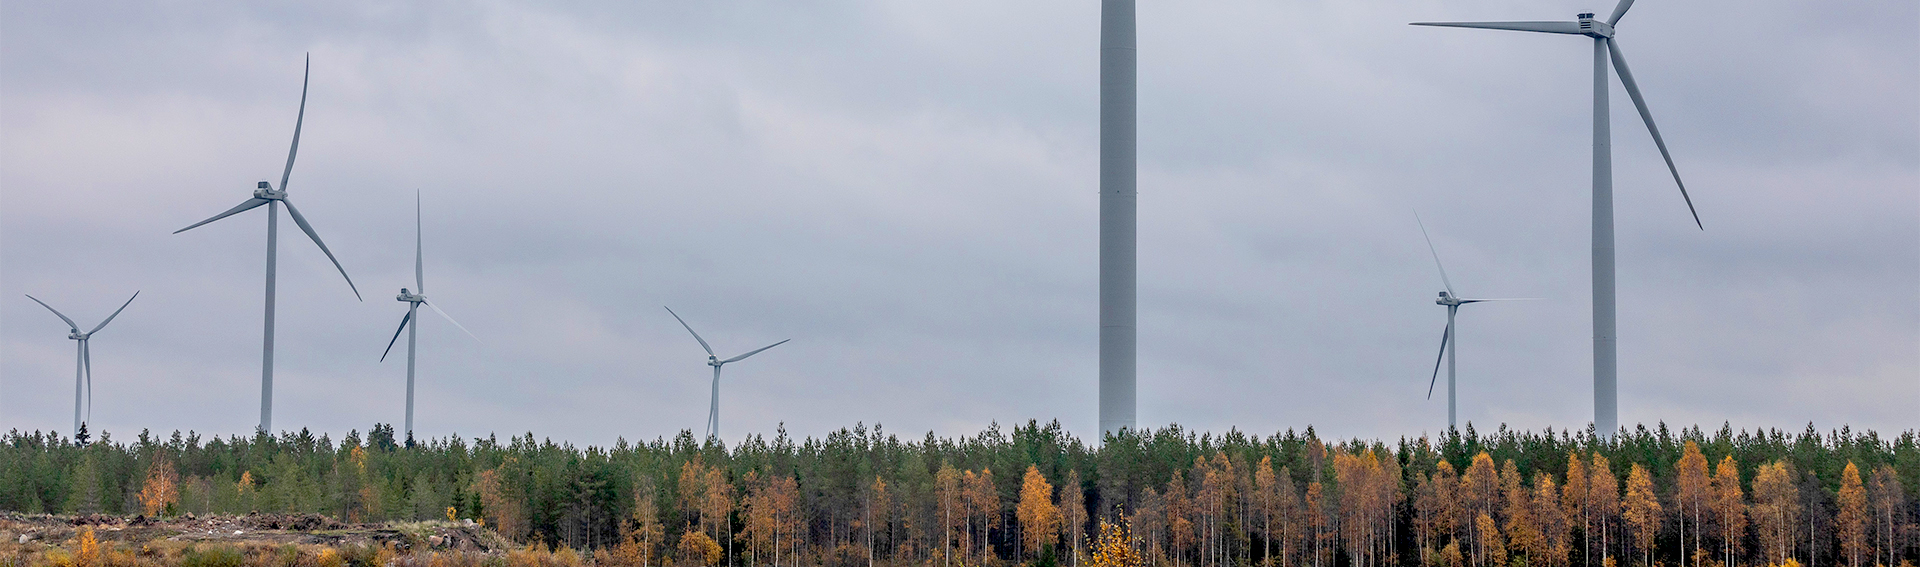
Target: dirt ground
[29,533]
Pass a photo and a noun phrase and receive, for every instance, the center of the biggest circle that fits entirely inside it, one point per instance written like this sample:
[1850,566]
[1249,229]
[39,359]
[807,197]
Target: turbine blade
[243,207]
[307,228]
[1572,28]
[1466,301]
[419,264]
[116,313]
[297,123]
[696,336]
[1444,336]
[56,313]
[449,318]
[754,352]
[1619,10]
[1436,253]
[396,335]
[1633,90]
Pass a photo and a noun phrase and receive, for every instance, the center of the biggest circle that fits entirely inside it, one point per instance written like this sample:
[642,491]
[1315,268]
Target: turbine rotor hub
[265,191]
[714,361]
[1594,28]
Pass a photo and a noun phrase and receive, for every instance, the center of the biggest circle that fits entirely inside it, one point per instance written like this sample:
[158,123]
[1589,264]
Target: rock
[24,538]
[436,541]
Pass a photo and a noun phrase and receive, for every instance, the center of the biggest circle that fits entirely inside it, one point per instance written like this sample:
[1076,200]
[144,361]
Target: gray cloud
[906,189]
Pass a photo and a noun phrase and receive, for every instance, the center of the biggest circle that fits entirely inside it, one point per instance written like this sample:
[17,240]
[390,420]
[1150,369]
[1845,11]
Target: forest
[1036,495]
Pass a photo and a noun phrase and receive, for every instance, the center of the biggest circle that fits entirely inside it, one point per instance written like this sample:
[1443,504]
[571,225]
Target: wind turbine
[83,357]
[1449,339]
[265,194]
[414,300]
[1606,406]
[713,411]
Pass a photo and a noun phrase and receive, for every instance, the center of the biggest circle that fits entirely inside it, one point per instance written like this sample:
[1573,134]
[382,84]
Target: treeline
[863,496]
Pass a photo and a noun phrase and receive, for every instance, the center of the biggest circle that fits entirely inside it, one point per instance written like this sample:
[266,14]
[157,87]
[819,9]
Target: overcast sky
[908,191]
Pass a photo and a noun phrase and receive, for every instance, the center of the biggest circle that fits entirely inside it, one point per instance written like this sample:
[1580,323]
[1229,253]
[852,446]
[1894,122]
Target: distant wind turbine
[265,194]
[83,358]
[713,410]
[1606,401]
[1449,339]
[414,300]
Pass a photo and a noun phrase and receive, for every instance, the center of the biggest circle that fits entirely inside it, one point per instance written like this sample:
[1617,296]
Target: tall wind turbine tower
[713,409]
[1606,393]
[414,299]
[83,357]
[1449,339]
[266,194]
[1118,205]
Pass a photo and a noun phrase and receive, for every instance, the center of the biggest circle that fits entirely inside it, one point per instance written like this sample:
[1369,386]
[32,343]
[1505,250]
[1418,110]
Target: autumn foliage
[1167,498]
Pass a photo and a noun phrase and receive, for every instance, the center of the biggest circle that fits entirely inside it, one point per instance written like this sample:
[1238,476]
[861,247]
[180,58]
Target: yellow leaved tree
[1113,547]
[1039,518]
[161,487]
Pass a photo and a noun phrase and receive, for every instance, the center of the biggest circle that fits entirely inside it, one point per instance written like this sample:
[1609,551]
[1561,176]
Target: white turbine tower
[1449,339]
[1606,406]
[83,357]
[713,410]
[265,194]
[414,300]
[1119,206]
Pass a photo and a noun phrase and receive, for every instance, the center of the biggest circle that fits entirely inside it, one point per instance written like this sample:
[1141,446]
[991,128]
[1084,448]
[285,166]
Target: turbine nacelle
[1595,28]
[714,361]
[265,191]
[78,336]
[1447,299]
[410,297]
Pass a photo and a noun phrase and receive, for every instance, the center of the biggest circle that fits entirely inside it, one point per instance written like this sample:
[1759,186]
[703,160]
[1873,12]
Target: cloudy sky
[908,191]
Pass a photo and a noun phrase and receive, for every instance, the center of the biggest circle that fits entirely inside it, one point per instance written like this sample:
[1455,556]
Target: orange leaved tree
[161,487]
[1851,521]
[1039,518]
[1642,511]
